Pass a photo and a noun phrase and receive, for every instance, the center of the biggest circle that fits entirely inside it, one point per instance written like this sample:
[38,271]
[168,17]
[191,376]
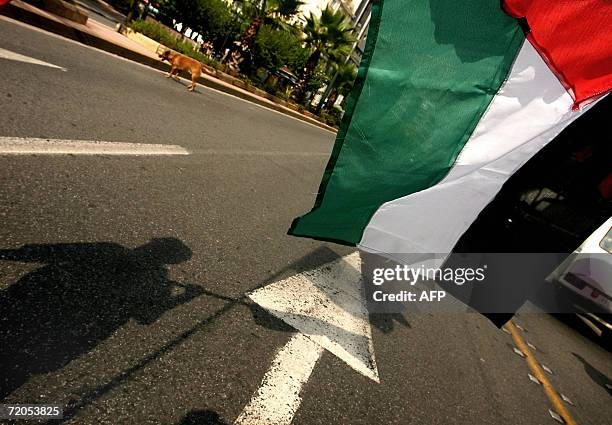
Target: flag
[450,100]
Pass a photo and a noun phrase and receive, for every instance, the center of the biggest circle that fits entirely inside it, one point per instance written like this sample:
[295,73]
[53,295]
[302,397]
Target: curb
[31,18]
[66,10]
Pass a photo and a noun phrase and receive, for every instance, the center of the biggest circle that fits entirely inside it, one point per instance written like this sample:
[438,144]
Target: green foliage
[345,77]
[329,34]
[274,9]
[332,117]
[280,12]
[186,12]
[275,14]
[168,39]
[217,22]
[285,94]
[274,48]
[307,51]
[213,19]
[283,9]
[318,79]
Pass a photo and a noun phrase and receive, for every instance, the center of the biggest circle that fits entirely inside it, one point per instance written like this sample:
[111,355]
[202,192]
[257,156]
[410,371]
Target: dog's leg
[169,74]
[194,77]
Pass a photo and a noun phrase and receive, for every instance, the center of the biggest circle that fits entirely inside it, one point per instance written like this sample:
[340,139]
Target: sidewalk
[101,8]
[105,38]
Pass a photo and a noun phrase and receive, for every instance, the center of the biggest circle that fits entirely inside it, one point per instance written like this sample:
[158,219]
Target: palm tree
[278,13]
[282,9]
[343,82]
[329,35]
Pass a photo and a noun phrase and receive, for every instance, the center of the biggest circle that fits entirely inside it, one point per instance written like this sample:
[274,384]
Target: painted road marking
[238,152]
[29,146]
[550,391]
[327,307]
[277,399]
[7,54]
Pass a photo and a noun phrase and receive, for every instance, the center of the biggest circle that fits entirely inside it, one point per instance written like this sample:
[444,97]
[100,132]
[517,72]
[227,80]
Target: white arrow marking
[277,399]
[7,54]
[28,146]
[326,305]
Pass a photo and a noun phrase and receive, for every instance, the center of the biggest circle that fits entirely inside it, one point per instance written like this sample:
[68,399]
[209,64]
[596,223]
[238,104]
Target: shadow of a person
[83,293]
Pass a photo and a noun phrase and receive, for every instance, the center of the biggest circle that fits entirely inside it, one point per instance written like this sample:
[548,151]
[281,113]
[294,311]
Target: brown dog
[179,63]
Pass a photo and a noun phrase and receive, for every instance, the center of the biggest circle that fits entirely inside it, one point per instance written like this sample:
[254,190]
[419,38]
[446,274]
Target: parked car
[587,273]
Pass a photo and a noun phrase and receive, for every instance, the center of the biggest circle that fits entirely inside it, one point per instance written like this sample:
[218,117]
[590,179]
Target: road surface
[123,277]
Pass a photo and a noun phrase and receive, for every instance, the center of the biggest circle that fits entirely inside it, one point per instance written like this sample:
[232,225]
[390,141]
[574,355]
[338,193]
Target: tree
[329,35]
[275,13]
[275,48]
[343,83]
[212,19]
[278,13]
[318,78]
[272,10]
[186,12]
[217,22]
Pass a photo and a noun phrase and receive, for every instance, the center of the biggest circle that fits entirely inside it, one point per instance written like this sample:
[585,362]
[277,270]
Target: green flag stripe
[429,72]
[375,18]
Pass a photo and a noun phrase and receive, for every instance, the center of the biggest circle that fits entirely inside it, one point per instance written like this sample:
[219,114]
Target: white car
[587,272]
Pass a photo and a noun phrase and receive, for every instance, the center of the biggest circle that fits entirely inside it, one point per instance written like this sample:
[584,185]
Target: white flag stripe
[530,110]
[29,146]
[7,54]
[278,397]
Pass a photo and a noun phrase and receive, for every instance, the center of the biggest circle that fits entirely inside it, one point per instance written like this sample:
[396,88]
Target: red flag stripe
[574,38]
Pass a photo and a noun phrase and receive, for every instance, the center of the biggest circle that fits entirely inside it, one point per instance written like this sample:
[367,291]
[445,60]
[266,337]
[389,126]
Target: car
[587,274]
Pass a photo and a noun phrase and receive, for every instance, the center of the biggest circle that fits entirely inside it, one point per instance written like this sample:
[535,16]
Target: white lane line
[7,54]
[327,307]
[278,397]
[255,153]
[29,146]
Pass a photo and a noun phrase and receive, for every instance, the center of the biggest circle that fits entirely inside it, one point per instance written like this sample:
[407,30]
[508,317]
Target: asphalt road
[127,303]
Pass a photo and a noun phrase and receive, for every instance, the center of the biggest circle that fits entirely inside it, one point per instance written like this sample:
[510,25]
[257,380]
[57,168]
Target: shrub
[331,118]
[213,19]
[285,94]
[168,39]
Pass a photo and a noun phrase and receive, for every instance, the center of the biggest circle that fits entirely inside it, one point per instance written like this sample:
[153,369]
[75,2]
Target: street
[150,257]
